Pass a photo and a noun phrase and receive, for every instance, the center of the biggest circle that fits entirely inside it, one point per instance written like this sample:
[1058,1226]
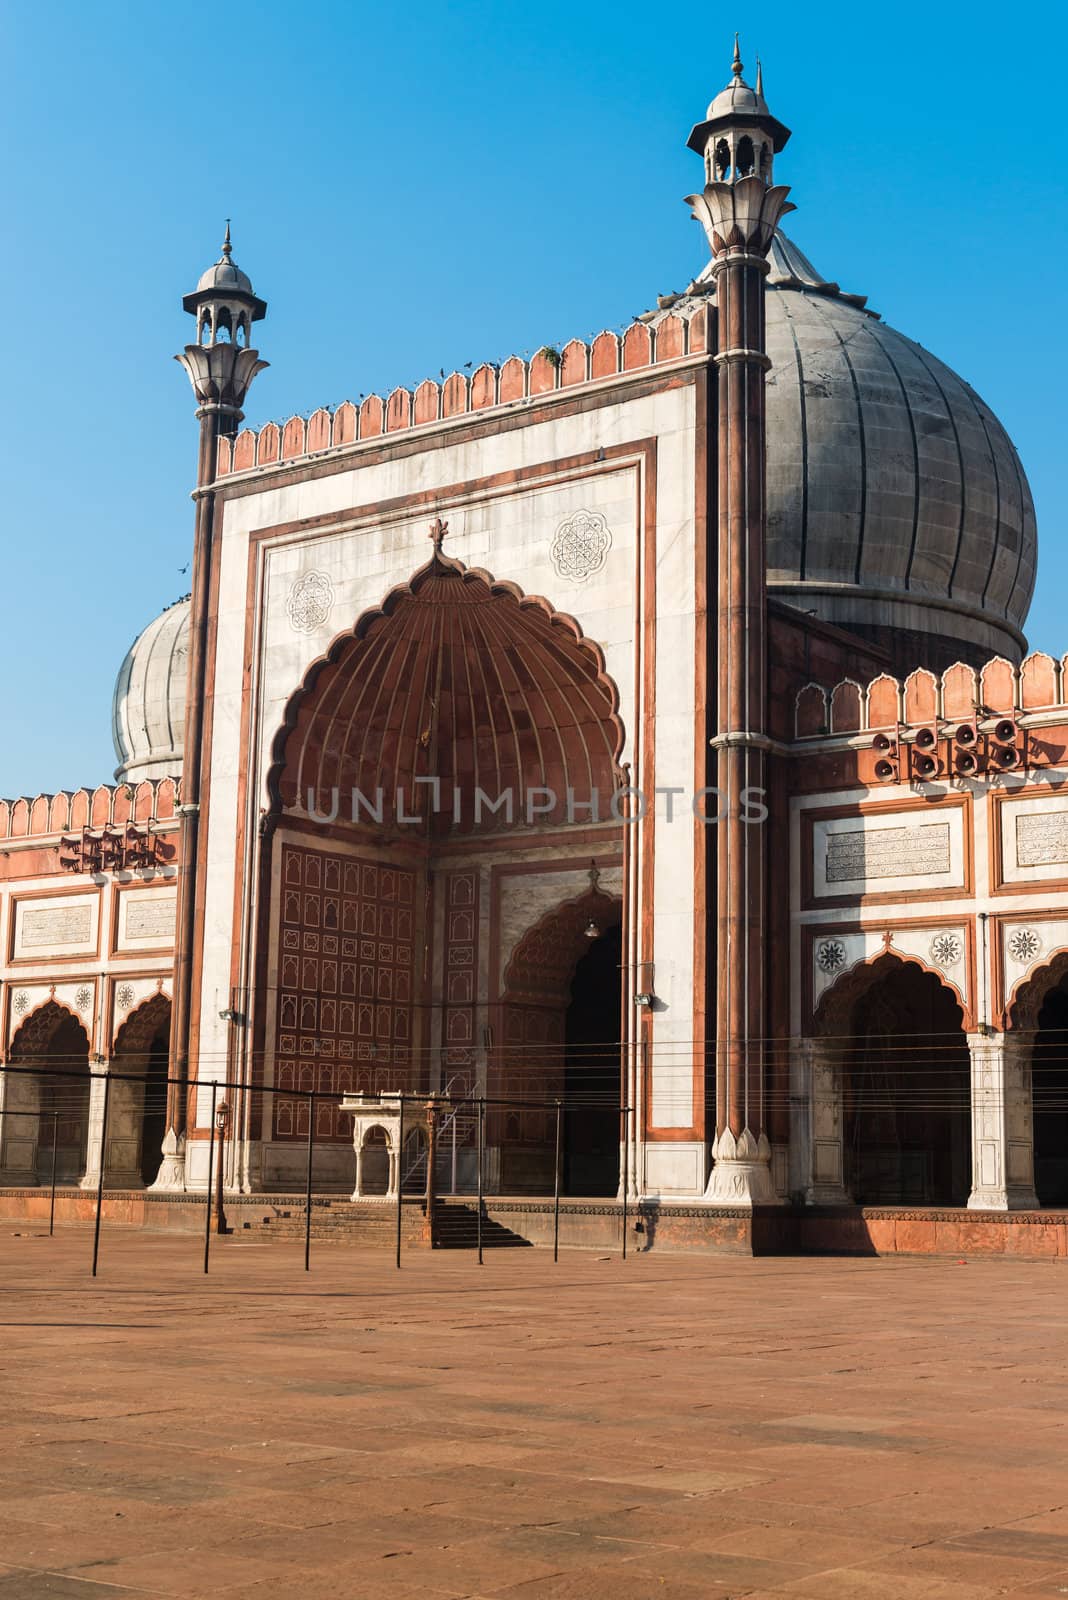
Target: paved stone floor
[671,1427]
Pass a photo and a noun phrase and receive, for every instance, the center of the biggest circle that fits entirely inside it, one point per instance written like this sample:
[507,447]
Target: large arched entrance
[1040,1019]
[137,1112]
[560,1040]
[445,751]
[53,1098]
[895,1033]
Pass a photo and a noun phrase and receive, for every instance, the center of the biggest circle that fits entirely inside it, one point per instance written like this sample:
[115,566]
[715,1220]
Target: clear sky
[417,186]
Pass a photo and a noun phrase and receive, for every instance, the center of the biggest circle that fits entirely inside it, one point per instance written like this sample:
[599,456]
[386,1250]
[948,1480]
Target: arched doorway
[560,1039]
[592,1073]
[894,1035]
[1049,1096]
[55,1095]
[137,1113]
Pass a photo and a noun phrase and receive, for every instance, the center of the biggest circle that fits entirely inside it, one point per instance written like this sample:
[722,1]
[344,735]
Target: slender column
[1003,1166]
[93,1151]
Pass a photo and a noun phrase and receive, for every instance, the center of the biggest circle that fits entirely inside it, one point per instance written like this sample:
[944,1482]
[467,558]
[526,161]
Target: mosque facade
[638,739]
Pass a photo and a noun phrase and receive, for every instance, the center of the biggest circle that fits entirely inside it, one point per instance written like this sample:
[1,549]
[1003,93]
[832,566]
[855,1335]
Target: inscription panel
[888,853]
[65,926]
[1034,838]
[146,919]
[907,851]
[1042,839]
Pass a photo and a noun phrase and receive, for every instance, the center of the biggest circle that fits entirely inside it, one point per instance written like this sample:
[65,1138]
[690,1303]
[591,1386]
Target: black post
[211,1162]
[308,1185]
[400,1175]
[556,1189]
[481,1147]
[626,1176]
[100,1178]
[52,1207]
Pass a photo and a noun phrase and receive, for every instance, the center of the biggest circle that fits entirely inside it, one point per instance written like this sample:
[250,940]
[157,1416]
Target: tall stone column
[740,209]
[1003,1162]
[220,366]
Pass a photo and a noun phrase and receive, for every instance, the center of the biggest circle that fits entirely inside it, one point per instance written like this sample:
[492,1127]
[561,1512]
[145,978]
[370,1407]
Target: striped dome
[897,505]
[148,707]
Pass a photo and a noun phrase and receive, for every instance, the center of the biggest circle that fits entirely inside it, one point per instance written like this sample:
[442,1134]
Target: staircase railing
[459,1121]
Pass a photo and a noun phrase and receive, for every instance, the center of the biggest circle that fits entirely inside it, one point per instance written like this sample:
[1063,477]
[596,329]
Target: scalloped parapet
[998,688]
[109,805]
[672,338]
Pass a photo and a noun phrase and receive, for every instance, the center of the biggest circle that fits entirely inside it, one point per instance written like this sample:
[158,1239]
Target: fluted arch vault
[464,679]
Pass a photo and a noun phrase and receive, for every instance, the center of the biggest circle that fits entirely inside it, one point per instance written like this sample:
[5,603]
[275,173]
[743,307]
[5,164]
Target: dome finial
[760,78]
[736,64]
[227,248]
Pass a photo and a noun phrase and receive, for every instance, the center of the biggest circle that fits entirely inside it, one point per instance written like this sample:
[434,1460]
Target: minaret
[740,210]
[221,366]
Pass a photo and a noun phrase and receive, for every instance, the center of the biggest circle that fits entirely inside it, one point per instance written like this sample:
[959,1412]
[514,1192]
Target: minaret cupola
[739,137]
[221,364]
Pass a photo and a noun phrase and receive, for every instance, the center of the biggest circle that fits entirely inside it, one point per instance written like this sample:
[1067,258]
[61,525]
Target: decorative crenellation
[681,334]
[110,805]
[960,694]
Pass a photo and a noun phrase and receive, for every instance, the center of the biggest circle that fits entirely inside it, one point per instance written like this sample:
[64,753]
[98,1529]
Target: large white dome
[148,707]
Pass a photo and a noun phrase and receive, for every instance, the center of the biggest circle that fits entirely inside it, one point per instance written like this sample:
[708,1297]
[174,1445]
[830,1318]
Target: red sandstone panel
[346,984]
[245,450]
[144,795]
[484,387]
[811,713]
[637,347]
[454,395]
[223,458]
[997,685]
[166,796]
[427,399]
[670,339]
[398,411]
[699,332]
[513,379]
[60,814]
[343,429]
[921,696]
[845,708]
[604,356]
[269,443]
[319,429]
[121,808]
[372,417]
[884,702]
[960,690]
[543,371]
[39,812]
[1038,682]
[79,811]
[573,363]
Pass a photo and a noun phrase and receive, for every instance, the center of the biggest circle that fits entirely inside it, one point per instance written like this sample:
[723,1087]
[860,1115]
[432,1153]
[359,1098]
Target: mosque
[643,729]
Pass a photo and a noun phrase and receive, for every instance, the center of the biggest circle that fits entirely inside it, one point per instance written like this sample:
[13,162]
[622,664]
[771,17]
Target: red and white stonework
[755,543]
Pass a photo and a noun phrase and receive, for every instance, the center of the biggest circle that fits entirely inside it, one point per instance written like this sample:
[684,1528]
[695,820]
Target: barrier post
[400,1175]
[211,1163]
[626,1174]
[556,1190]
[52,1203]
[308,1185]
[481,1147]
[100,1178]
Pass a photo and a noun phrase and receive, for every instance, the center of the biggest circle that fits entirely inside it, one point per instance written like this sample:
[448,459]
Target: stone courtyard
[671,1427]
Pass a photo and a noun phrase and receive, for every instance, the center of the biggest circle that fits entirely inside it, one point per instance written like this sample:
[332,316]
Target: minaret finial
[227,247]
[736,65]
[760,76]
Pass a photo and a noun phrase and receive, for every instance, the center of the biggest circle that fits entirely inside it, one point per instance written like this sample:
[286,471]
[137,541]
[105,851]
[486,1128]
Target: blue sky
[419,186]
